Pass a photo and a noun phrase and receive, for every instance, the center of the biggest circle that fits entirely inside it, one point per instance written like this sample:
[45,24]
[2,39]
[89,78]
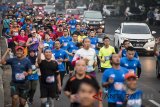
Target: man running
[74,82]
[21,68]
[113,79]
[126,44]
[89,55]
[104,54]
[130,62]
[50,77]
[132,94]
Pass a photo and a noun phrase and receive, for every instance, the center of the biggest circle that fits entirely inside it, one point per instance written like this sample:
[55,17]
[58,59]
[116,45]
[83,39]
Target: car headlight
[123,38]
[102,22]
[150,39]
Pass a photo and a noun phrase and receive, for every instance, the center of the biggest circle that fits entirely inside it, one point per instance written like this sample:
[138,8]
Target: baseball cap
[19,47]
[130,75]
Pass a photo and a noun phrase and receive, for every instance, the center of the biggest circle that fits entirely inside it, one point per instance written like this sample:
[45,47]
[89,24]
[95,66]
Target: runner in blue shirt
[94,41]
[130,62]
[48,41]
[61,56]
[72,24]
[133,96]
[33,79]
[21,68]
[72,47]
[65,39]
[123,52]
[113,79]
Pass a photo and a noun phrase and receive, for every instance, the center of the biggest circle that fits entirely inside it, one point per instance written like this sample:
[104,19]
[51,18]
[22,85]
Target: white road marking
[155,103]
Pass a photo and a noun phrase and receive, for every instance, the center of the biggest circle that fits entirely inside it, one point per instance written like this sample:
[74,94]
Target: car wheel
[157,70]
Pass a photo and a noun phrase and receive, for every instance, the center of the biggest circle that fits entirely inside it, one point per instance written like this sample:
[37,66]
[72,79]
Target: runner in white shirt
[89,55]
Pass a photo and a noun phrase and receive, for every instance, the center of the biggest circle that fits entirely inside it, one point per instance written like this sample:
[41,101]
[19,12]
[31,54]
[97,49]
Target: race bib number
[93,46]
[72,26]
[118,85]
[15,33]
[65,44]
[19,76]
[107,58]
[50,79]
[100,40]
[33,67]
[131,71]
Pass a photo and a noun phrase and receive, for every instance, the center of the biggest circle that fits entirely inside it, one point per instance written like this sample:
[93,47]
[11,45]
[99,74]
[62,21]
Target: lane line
[155,103]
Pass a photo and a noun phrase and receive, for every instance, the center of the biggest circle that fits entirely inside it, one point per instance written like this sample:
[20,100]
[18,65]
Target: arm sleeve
[9,61]
[139,64]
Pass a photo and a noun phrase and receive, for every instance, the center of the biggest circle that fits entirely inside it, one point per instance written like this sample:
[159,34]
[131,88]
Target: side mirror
[117,31]
[153,32]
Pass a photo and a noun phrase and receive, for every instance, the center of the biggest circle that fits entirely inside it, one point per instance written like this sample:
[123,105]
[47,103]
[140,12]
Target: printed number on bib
[65,44]
[106,58]
[20,76]
[118,85]
[15,33]
[93,46]
[50,79]
[72,26]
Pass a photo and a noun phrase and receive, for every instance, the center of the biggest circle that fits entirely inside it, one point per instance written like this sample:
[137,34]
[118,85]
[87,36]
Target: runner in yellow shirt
[104,54]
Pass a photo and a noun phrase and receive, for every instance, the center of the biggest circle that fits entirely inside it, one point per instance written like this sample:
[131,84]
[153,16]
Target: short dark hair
[106,38]
[91,82]
[125,41]
[85,39]
[130,48]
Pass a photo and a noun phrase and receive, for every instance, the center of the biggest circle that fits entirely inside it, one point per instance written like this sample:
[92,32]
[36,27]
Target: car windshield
[75,12]
[93,15]
[48,8]
[135,29]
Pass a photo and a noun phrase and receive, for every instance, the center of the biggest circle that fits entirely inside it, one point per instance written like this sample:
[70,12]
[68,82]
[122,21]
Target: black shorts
[71,68]
[20,89]
[48,90]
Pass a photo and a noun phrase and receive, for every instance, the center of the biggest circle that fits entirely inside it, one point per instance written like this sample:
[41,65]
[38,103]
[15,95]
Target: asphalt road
[148,82]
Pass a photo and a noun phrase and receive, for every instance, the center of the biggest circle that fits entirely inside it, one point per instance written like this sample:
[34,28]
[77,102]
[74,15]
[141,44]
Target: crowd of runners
[45,48]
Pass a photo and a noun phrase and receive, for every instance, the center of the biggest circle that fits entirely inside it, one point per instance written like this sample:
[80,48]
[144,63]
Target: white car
[49,9]
[138,34]
[110,10]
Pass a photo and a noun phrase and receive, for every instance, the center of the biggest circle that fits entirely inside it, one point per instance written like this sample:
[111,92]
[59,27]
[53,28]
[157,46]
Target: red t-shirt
[59,34]
[21,40]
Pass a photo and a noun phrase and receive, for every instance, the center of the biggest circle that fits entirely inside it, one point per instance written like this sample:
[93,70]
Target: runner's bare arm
[59,82]
[67,93]
[3,60]
[40,48]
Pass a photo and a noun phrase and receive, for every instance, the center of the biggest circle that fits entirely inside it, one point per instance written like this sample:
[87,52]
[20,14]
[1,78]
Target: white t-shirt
[90,54]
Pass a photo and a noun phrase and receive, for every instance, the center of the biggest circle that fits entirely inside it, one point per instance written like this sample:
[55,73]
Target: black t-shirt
[73,83]
[49,71]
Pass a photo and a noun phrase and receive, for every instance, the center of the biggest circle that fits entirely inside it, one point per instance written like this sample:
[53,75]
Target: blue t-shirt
[94,42]
[18,67]
[64,41]
[50,43]
[131,65]
[115,90]
[60,54]
[135,99]
[71,48]
[124,51]
[24,27]
[34,75]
